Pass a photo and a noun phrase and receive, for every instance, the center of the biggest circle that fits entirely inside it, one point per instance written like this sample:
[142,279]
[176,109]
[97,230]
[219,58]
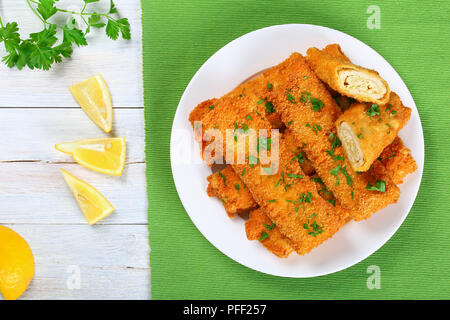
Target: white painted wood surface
[37,111]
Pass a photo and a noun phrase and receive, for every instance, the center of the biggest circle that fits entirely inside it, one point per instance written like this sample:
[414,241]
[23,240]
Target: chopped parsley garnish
[335,142]
[380,185]
[211,107]
[269,227]
[316,128]
[264,143]
[291,98]
[333,202]
[283,180]
[269,86]
[335,172]
[223,177]
[261,101]
[268,170]
[305,77]
[316,229]
[304,198]
[360,135]
[243,172]
[248,117]
[299,157]
[252,160]
[374,110]
[290,122]
[347,176]
[304,98]
[298,176]
[264,236]
[316,104]
[317,179]
[273,200]
[269,107]
[237,187]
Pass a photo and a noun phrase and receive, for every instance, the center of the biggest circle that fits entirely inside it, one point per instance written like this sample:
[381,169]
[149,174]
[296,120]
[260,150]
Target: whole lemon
[16,264]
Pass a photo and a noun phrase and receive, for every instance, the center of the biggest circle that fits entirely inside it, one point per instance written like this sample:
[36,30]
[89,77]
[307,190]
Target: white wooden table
[37,111]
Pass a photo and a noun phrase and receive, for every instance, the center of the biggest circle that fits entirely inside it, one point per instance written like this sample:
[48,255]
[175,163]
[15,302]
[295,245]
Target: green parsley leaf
[347,176]
[374,110]
[268,170]
[316,104]
[264,143]
[269,107]
[252,160]
[264,236]
[223,177]
[74,35]
[46,8]
[269,227]
[380,186]
[291,98]
[335,171]
[112,7]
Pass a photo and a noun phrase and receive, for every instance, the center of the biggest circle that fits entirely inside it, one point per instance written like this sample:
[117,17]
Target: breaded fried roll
[291,201]
[398,161]
[309,111]
[234,195]
[354,81]
[366,129]
[260,227]
[282,190]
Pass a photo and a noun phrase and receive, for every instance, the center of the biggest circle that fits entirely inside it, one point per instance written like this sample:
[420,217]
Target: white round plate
[226,69]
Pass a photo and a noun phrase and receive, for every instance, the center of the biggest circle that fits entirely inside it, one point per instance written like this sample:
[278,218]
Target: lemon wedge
[92,203]
[94,98]
[105,155]
[16,264]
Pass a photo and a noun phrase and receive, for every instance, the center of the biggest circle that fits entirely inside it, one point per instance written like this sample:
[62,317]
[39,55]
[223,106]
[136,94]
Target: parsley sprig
[42,49]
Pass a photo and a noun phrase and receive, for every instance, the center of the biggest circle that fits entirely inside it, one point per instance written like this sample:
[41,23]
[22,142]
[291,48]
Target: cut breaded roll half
[366,129]
[354,81]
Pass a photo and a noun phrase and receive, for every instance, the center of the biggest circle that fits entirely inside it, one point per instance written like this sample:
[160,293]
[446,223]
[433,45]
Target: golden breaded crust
[290,199]
[258,224]
[289,185]
[331,70]
[300,156]
[294,78]
[335,50]
[398,161]
[234,195]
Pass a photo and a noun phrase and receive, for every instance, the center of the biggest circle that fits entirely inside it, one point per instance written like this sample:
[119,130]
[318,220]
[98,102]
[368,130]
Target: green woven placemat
[179,36]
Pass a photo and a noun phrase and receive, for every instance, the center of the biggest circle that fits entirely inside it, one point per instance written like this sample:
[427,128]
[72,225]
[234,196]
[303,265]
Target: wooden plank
[112,261]
[35,193]
[30,134]
[120,62]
